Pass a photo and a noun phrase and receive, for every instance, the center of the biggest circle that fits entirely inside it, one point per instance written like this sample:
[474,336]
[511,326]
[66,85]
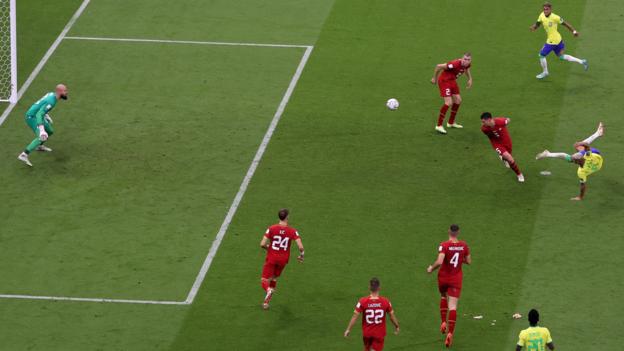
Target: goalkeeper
[40,122]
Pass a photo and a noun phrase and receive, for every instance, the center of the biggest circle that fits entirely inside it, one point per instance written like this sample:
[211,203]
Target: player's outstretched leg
[514,167]
[597,134]
[570,58]
[548,154]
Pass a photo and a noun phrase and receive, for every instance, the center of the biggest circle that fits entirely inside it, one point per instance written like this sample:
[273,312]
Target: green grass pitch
[156,138]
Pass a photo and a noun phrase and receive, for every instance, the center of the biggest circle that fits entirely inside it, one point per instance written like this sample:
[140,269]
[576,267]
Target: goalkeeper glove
[48,118]
[43,135]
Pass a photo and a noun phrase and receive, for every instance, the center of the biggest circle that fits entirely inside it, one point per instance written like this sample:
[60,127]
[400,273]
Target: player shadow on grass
[413,346]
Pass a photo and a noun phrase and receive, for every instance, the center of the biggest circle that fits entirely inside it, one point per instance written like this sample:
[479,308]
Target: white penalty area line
[45,59]
[250,172]
[191,42]
[237,199]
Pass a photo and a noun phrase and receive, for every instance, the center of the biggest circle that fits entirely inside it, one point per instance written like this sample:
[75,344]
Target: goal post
[8,51]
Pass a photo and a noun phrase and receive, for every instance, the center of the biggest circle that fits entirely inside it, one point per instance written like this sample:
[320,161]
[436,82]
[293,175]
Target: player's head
[466,59]
[547,7]
[454,230]
[487,120]
[283,214]
[581,146]
[61,91]
[374,285]
[533,317]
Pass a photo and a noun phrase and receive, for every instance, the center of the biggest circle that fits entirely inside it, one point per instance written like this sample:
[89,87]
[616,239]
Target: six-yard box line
[246,180]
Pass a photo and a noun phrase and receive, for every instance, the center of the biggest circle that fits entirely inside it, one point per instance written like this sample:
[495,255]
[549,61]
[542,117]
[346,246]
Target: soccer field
[104,242]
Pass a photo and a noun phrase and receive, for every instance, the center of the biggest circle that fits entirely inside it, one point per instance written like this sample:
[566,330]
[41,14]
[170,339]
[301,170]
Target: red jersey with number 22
[374,311]
[455,254]
[452,71]
[281,238]
[498,135]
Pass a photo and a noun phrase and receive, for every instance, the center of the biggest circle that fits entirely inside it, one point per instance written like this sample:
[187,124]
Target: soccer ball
[392,104]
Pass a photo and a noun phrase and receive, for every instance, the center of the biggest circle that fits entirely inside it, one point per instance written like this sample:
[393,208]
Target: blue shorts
[552,47]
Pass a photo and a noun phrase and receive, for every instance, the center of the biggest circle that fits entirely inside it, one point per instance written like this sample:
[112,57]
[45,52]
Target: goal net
[8,52]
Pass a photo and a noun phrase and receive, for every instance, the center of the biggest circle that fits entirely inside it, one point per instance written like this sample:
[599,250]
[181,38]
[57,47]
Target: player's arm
[436,72]
[351,323]
[570,28]
[468,259]
[550,345]
[469,75]
[535,26]
[300,246]
[39,117]
[395,321]
[264,243]
[437,263]
[518,348]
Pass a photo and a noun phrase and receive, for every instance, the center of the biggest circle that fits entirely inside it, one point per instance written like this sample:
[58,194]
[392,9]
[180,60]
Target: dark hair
[454,228]
[486,115]
[467,53]
[374,284]
[547,4]
[283,214]
[533,317]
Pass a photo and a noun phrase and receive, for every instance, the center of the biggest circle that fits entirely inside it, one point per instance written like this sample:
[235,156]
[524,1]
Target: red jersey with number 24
[452,71]
[455,254]
[281,238]
[374,311]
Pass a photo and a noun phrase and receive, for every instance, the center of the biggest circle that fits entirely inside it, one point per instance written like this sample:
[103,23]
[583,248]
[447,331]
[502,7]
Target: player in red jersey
[496,131]
[446,74]
[375,309]
[276,241]
[451,255]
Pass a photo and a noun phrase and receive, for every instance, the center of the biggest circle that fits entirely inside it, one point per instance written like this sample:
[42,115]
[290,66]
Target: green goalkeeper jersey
[40,108]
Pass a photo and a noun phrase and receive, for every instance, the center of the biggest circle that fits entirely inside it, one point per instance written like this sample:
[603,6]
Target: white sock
[544,64]
[561,155]
[572,59]
[592,137]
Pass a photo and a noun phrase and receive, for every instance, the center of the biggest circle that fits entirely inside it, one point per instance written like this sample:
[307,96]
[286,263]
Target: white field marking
[87,299]
[250,172]
[44,60]
[166,41]
[237,199]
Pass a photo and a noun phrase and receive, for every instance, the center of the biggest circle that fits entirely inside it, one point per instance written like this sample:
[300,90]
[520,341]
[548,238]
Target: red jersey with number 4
[374,311]
[455,254]
[281,238]
[498,135]
[452,71]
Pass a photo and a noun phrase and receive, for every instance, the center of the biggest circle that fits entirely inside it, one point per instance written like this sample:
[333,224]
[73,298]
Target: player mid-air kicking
[554,42]
[40,122]
[588,159]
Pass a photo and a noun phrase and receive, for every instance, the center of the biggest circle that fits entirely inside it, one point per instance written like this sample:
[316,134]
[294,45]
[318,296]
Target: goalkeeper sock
[571,59]
[443,110]
[33,145]
[544,64]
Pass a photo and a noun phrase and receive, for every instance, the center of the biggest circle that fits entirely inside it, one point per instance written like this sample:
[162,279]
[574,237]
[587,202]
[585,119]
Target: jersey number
[447,92]
[535,345]
[455,259]
[280,243]
[374,316]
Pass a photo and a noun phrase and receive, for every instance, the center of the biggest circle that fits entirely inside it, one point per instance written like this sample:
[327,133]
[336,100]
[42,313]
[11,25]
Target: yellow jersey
[550,24]
[534,338]
[593,163]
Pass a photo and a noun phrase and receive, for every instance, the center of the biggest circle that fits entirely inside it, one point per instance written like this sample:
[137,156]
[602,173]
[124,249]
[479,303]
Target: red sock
[273,284]
[514,167]
[443,110]
[454,109]
[265,285]
[443,309]
[451,321]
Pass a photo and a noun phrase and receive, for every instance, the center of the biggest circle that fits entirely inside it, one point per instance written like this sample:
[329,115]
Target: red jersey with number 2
[452,71]
[455,254]
[498,135]
[281,238]
[374,311]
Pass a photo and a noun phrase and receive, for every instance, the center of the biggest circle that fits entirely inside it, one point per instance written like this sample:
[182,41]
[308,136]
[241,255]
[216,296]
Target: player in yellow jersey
[554,42]
[588,159]
[534,338]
